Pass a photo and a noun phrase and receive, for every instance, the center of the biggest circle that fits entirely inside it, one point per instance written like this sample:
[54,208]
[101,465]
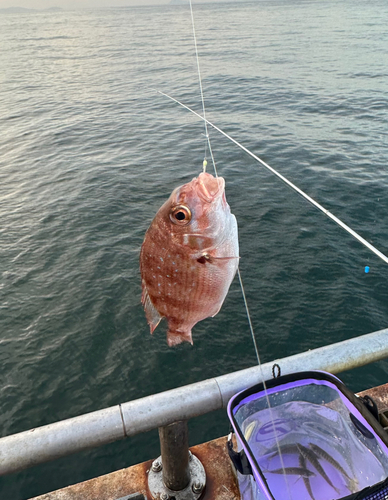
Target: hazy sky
[43,4]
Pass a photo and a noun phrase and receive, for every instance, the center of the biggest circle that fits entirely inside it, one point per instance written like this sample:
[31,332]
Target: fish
[312,458]
[296,471]
[285,449]
[189,257]
[351,483]
[313,453]
[328,458]
[306,480]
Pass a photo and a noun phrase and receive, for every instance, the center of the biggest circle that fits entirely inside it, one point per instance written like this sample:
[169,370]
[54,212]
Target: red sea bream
[189,257]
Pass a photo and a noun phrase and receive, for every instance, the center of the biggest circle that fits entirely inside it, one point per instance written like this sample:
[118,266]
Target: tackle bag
[305,436]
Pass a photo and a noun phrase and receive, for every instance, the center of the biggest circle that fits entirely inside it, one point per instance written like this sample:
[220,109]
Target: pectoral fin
[206,257]
[152,315]
[222,258]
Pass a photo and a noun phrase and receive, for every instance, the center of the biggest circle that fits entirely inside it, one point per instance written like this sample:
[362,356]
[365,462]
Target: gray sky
[44,4]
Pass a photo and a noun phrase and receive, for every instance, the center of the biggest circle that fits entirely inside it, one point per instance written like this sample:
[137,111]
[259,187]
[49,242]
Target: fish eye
[180,215]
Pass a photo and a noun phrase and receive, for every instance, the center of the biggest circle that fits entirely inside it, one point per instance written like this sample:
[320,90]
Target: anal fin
[152,315]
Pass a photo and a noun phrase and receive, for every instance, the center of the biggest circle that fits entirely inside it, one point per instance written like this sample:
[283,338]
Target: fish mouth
[209,188]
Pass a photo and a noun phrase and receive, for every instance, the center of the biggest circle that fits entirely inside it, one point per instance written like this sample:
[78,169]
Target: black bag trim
[239,459]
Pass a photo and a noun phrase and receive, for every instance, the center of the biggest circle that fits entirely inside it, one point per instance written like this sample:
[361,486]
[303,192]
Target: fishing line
[238,269]
[289,183]
[207,137]
[264,383]
[214,165]
[249,317]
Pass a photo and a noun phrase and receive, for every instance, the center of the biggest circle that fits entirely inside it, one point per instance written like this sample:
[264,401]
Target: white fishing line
[215,170]
[249,318]
[264,383]
[207,137]
[289,183]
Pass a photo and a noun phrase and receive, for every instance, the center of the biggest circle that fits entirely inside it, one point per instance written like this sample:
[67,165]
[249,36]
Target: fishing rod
[286,181]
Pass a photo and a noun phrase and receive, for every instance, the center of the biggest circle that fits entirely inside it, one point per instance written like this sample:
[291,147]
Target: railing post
[177,474]
[174,448]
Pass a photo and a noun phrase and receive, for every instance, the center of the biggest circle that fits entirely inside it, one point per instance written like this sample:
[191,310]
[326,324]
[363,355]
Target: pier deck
[221,483]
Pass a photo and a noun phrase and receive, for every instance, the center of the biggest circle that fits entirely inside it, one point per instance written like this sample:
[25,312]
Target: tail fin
[175,337]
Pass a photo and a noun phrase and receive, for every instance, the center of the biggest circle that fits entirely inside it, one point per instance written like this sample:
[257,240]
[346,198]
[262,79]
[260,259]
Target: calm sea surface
[88,153]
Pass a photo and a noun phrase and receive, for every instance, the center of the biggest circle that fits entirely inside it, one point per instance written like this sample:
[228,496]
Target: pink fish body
[189,257]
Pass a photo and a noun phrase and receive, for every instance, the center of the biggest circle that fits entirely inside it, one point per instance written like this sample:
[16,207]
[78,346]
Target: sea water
[88,153]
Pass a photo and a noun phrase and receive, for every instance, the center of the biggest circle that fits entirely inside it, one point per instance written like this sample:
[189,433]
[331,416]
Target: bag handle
[239,458]
[371,405]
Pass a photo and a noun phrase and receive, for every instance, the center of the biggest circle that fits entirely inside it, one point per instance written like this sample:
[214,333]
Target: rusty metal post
[177,474]
[174,447]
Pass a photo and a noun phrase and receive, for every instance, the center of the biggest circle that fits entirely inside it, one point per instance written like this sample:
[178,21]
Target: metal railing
[52,441]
